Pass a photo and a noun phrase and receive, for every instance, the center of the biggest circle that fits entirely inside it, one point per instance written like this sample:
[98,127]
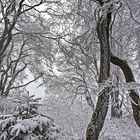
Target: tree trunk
[129,78]
[98,117]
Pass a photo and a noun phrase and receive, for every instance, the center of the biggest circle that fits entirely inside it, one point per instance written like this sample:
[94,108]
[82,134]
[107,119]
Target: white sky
[33,88]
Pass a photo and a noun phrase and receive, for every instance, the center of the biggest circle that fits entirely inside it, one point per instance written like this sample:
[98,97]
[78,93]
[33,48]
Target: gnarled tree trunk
[98,117]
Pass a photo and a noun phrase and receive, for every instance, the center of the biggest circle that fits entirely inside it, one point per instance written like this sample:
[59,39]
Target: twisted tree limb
[129,78]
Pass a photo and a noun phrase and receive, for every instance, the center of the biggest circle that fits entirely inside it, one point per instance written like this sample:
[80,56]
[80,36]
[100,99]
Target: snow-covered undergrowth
[36,128]
[74,121]
[25,123]
[124,128]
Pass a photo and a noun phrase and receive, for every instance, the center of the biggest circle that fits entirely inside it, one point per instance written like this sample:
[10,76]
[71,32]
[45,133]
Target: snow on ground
[124,128]
[74,121]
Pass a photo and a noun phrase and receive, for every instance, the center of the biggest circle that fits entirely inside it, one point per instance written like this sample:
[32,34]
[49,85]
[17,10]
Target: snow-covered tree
[26,123]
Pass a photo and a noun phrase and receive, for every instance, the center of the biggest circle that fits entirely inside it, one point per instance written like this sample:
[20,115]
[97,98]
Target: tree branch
[129,78]
[20,86]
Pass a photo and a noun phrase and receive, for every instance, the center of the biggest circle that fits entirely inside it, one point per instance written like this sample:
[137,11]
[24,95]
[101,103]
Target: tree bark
[98,117]
[129,78]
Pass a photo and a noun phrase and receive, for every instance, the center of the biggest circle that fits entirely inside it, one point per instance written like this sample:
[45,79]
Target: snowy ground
[74,123]
[120,129]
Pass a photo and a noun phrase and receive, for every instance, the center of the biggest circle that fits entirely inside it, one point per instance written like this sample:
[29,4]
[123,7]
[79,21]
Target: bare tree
[14,57]
[13,65]
[103,30]
[11,11]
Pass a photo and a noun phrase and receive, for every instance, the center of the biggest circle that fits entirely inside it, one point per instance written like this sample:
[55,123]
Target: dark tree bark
[98,117]
[129,78]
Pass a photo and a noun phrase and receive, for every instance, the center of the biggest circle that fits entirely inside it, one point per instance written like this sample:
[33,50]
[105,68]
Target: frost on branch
[110,6]
[28,124]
